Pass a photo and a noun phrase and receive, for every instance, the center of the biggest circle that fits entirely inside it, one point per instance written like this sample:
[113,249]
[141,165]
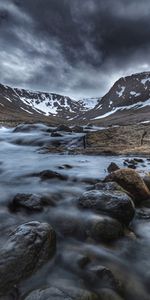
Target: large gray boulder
[29,247]
[115,204]
[64,293]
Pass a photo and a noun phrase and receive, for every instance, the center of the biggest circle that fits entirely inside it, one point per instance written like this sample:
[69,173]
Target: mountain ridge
[128,99]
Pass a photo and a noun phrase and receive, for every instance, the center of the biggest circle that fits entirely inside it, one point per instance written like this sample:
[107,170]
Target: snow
[120,93]
[137,105]
[2,104]
[133,93]
[89,103]
[8,99]
[145,80]
[27,110]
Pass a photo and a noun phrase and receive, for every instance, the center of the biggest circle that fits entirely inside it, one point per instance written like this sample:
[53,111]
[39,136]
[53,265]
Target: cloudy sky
[73,47]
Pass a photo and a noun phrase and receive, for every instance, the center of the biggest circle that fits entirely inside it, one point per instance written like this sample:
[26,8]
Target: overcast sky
[74,47]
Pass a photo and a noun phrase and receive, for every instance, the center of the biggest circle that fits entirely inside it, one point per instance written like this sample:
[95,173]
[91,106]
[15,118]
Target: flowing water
[23,154]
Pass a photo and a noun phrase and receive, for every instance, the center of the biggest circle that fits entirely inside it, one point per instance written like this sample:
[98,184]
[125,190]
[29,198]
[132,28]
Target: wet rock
[104,229]
[65,166]
[132,166]
[101,277]
[147,181]
[69,225]
[56,134]
[131,181]
[99,228]
[62,293]
[25,128]
[139,160]
[29,202]
[49,174]
[77,129]
[109,186]
[64,128]
[29,247]
[115,204]
[108,294]
[112,167]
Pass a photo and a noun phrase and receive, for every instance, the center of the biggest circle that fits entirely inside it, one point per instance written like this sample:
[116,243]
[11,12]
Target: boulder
[29,247]
[77,129]
[147,181]
[62,293]
[131,181]
[56,134]
[29,202]
[109,186]
[112,167]
[64,128]
[32,202]
[115,204]
[104,229]
[99,228]
[49,174]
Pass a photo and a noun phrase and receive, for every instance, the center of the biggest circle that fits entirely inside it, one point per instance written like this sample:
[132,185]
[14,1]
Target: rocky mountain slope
[30,104]
[127,102]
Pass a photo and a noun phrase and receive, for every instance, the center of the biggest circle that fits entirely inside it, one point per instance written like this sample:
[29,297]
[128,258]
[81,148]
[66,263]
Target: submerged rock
[112,167]
[104,229]
[56,134]
[64,128]
[115,204]
[30,202]
[62,293]
[29,247]
[99,228]
[131,181]
[147,181]
[49,174]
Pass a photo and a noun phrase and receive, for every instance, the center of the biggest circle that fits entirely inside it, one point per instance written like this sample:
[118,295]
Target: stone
[115,204]
[62,293]
[147,181]
[29,247]
[29,202]
[131,181]
[64,128]
[56,134]
[77,129]
[104,229]
[112,167]
[49,174]
[109,186]
[99,228]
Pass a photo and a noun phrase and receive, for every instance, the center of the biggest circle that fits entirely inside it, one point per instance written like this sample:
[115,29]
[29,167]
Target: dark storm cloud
[73,47]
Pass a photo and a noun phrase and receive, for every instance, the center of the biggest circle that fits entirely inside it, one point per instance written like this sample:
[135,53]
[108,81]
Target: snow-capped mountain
[128,101]
[128,98]
[30,103]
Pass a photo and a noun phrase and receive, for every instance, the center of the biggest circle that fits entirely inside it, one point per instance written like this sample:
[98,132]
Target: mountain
[21,103]
[127,101]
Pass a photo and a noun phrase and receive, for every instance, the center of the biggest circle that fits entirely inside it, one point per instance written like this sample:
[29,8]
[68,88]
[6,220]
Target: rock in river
[116,204]
[64,293]
[28,248]
[131,181]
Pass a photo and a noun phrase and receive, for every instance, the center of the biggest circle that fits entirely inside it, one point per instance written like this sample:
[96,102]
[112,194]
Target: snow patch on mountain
[120,93]
[137,105]
[89,103]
